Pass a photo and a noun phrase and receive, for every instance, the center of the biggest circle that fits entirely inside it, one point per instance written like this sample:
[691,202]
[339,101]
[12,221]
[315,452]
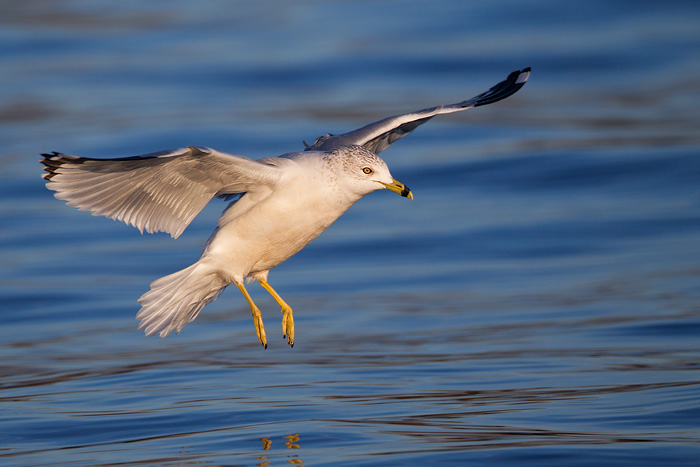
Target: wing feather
[380,135]
[160,192]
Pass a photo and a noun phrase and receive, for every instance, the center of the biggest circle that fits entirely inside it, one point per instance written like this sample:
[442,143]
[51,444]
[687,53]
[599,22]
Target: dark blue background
[537,303]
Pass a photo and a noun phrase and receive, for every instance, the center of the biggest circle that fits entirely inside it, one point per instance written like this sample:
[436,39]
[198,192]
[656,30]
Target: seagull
[280,204]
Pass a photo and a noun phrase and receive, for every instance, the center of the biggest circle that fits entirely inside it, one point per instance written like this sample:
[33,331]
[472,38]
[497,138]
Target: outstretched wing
[155,192]
[380,135]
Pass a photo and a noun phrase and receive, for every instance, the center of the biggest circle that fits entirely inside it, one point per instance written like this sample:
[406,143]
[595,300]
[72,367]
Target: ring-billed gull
[284,203]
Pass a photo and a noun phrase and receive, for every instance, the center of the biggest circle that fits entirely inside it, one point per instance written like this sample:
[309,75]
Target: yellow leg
[287,316]
[257,317]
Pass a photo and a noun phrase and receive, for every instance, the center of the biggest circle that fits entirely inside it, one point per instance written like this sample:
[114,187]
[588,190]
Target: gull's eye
[367,170]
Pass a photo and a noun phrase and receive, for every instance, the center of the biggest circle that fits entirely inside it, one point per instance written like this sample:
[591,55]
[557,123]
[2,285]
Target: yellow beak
[398,188]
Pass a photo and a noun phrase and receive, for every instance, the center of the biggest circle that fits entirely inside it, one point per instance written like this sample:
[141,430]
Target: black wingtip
[51,164]
[505,88]
[49,156]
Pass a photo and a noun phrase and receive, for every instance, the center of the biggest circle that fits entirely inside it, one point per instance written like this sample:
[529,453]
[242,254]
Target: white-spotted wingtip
[524,75]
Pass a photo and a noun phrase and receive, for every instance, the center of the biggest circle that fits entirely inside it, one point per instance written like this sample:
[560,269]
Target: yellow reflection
[291,439]
[291,442]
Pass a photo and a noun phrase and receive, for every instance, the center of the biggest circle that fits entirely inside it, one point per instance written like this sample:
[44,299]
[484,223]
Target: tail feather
[177,299]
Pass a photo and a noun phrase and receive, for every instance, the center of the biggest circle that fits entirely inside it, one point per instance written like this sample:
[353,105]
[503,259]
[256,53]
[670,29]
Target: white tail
[177,299]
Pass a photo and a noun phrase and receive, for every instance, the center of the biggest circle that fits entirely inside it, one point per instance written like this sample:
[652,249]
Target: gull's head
[362,172]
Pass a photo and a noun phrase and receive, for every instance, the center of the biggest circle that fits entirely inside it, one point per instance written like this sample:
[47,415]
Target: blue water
[538,303]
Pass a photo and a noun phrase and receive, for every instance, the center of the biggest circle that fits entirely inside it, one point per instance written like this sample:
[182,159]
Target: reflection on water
[290,443]
[536,304]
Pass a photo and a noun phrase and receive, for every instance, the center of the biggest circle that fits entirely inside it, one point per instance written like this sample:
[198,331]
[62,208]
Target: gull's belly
[271,232]
[276,242]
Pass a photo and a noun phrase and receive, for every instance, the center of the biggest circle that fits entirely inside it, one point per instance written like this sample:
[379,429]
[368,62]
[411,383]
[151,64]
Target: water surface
[537,303]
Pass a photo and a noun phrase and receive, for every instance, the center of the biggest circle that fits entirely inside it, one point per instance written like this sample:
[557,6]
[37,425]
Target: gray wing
[380,135]
[155,192]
